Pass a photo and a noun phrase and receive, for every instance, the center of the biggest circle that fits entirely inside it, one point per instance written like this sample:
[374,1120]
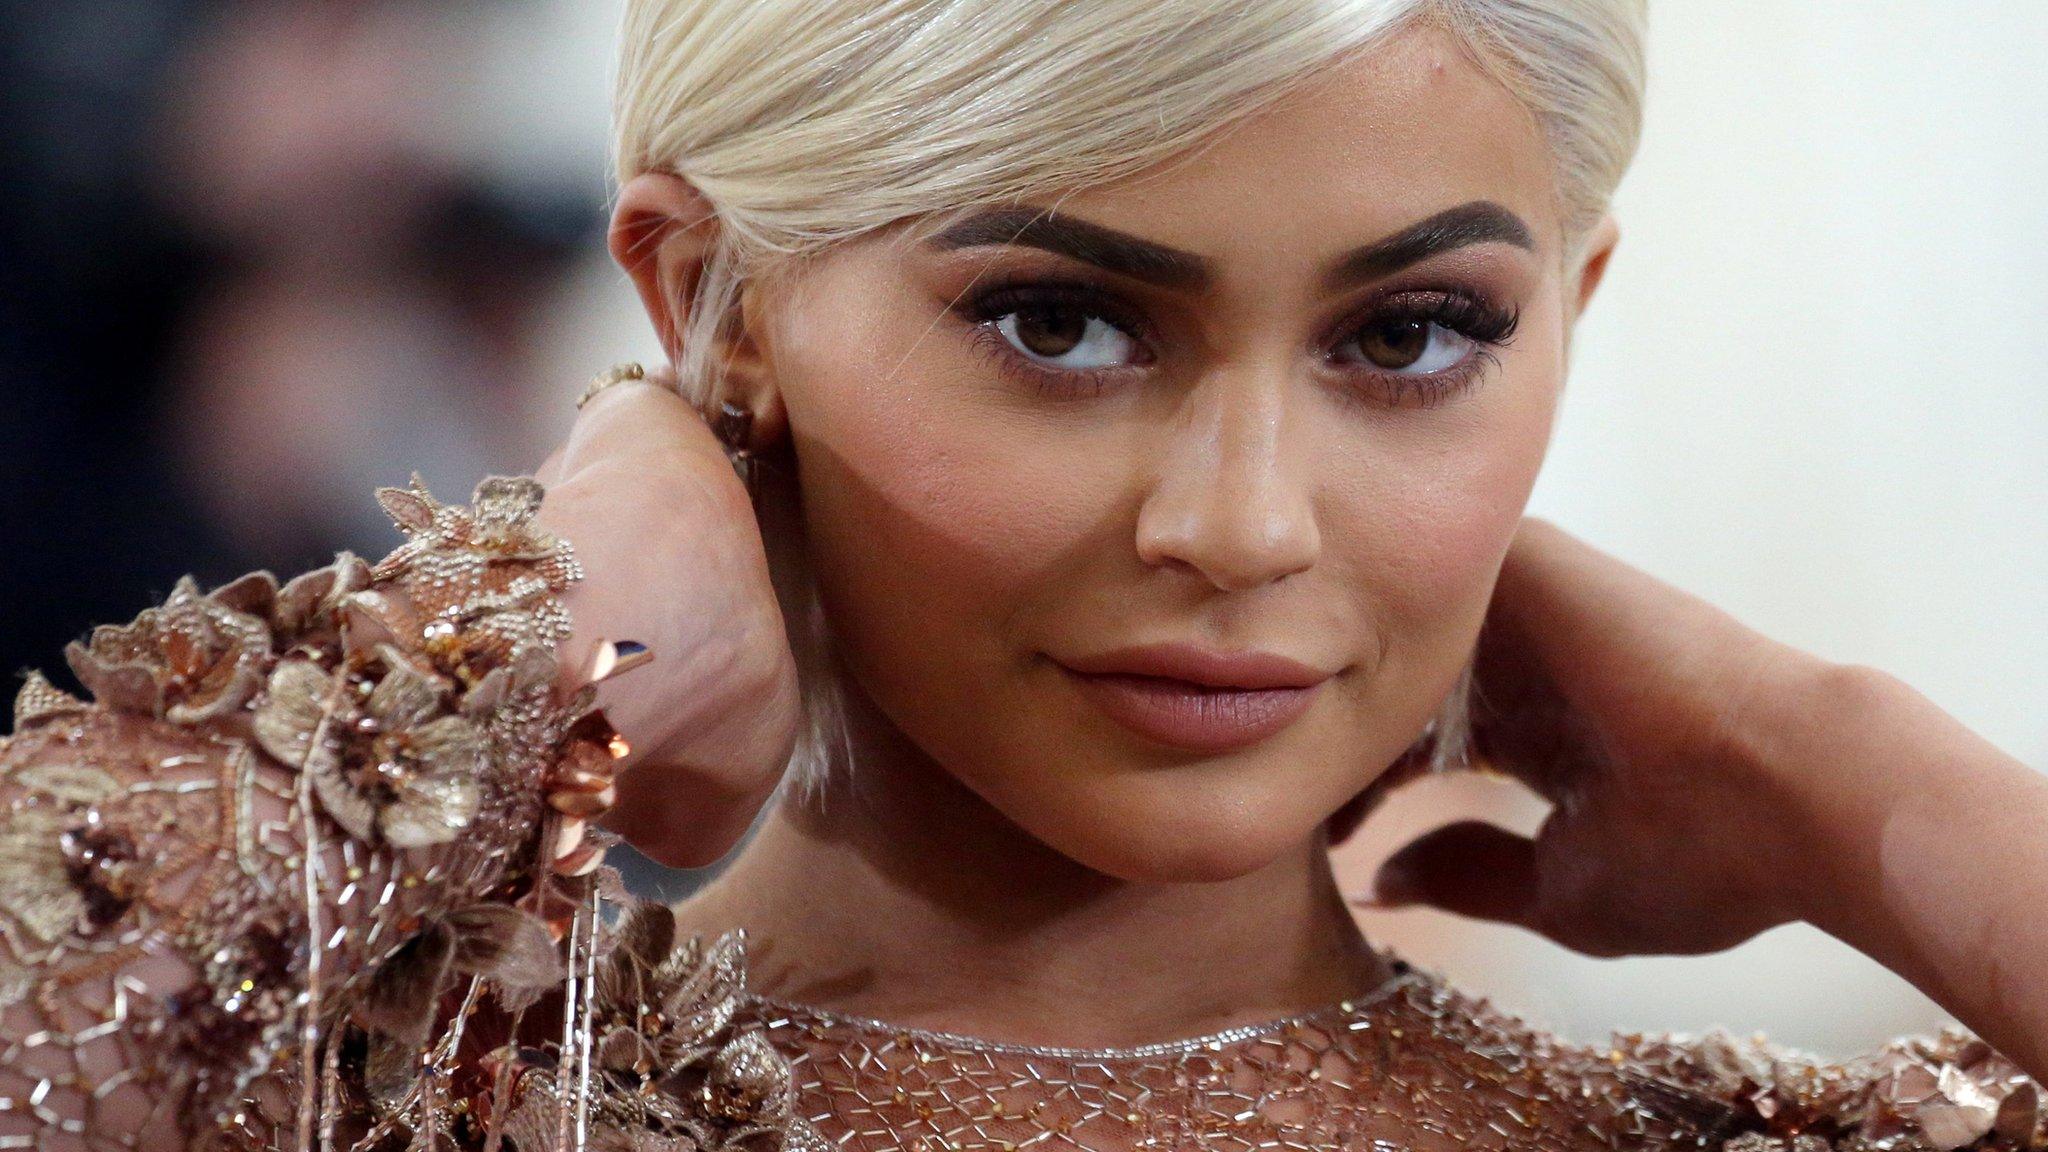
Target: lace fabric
[282,884]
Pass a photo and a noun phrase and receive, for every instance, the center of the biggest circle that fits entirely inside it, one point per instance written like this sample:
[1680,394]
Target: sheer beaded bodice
[1414,1065]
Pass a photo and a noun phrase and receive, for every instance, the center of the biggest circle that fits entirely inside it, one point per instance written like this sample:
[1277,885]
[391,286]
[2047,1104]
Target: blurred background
[258,257]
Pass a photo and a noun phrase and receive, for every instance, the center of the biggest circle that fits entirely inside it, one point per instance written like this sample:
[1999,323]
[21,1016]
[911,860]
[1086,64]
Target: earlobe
[749,376]
[1597,249]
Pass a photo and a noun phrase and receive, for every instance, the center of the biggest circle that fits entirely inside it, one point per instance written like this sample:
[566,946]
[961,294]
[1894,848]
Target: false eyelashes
[1446,319]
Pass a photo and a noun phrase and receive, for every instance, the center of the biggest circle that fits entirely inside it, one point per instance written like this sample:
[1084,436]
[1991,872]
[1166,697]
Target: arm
[165,952]
[1711,783]
[1925,848]
[162,939]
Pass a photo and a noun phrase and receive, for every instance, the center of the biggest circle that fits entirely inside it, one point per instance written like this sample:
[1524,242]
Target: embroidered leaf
[505,945]
[404,993]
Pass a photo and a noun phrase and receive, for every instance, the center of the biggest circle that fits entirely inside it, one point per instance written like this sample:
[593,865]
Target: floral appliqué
[385,755]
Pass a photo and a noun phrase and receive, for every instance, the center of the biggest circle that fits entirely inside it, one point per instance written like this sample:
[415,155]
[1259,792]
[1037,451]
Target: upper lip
[1196,664]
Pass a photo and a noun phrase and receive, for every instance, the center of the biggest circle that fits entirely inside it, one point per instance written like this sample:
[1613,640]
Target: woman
[1141,400]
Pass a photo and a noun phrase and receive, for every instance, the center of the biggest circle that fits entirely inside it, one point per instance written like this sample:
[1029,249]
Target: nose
[1231,498]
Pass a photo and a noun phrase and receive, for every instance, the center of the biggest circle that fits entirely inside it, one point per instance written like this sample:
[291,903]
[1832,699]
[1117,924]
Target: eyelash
[1488,326]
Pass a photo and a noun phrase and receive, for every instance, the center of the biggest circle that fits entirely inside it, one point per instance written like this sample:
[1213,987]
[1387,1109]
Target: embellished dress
[309,871]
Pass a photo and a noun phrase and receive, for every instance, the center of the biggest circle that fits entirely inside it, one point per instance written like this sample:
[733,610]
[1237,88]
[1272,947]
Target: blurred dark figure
[93,278]
[242,283]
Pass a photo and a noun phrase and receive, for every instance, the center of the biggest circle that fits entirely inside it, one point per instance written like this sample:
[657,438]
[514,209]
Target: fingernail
[581,862]
[568,838]
[616,658]
[583,805]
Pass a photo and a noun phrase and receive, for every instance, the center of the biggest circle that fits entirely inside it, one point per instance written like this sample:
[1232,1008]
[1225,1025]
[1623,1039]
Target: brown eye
[1410,346]
[1396,343]
[1067,338]
[1050,333]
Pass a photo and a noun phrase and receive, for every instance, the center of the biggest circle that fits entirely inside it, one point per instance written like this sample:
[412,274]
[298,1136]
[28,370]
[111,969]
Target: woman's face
[1062,473]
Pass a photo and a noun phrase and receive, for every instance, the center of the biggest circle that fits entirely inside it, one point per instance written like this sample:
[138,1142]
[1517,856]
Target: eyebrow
[1477,222]
[1106,248]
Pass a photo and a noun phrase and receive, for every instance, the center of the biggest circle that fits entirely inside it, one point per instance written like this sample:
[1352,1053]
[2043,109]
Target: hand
[1644,714]
[673,558]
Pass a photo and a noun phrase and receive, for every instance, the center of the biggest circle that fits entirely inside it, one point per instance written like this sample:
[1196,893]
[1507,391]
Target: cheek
[1422,527]
[933,515]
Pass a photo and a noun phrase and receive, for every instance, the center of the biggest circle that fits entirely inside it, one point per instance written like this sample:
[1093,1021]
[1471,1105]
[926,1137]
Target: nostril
[1233,543]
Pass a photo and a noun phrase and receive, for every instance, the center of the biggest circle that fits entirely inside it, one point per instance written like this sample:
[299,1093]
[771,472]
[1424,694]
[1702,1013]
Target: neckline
[1403,975]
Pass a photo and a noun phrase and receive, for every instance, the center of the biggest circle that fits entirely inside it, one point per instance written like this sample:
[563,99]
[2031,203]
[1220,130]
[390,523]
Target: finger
[1573,633]
[717,816]
[1470,868]
[550,471]
[640,424]
[1549,571]
[640,470]
[588,424]
[1592,621]
[1545,748]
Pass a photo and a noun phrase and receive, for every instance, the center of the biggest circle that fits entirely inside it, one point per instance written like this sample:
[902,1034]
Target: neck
[900,894]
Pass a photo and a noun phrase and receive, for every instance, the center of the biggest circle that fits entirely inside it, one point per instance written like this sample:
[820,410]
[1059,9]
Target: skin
[1004,860]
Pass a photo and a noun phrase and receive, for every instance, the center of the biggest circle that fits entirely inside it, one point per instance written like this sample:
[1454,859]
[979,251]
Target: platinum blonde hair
[808,122]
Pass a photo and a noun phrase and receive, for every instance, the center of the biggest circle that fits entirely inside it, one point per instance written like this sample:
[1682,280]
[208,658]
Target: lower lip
[1191,717]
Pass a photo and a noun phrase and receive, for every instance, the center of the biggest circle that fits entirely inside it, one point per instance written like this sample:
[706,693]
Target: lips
[1197,699]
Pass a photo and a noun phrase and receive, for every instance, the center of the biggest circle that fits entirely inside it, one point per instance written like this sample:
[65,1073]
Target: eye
[1408,345]
[1066,338]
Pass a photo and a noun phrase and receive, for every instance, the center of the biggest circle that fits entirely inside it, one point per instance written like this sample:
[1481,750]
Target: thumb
[550,471]
[1470,868]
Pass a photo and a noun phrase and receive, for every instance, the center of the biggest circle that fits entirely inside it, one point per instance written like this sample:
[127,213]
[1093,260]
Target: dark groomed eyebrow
[1106,248]
[1477,222]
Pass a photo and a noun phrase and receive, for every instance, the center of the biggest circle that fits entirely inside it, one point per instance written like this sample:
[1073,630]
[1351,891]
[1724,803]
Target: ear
[1593,256]
[662,232]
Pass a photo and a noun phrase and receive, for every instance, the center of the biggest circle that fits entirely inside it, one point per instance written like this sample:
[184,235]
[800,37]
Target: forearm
[1924,849]
[285,809]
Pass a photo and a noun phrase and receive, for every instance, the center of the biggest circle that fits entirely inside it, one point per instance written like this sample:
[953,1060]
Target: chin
[1193,834]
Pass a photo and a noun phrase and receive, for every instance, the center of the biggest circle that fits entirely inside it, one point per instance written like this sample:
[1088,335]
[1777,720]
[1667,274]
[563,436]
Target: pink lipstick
[1197,699]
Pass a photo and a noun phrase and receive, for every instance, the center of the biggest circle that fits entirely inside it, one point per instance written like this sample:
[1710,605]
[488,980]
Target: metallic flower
[308,607]
[671,1074]
[40,889]
[193,659]
[663,1008]
[749,1082]
[1947,1092]
[498,521]
[472,585]
[1938,1094]
[386,755]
